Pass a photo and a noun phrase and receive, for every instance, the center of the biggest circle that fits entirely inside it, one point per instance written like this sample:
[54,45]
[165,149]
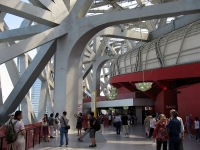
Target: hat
[12,114]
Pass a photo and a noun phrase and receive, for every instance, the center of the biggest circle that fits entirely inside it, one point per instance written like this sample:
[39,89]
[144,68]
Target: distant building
[35,96]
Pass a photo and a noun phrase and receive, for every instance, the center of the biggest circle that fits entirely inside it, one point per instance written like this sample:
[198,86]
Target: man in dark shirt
[174,128]
[91,127]
[51,125]
[125,125]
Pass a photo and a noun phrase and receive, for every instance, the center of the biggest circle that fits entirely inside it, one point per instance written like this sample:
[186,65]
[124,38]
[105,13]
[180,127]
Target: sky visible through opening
[13,22]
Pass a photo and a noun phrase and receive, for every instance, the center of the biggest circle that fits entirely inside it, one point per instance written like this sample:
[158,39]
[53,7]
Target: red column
[165,101]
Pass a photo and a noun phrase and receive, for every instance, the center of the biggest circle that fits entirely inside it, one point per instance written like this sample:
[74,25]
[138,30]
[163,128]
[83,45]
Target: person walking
[135,119]
[129,119]
[91,120]
[45,128]
[118,123]
[102,123]
[174,130]
[125,125]
[196,128]
[147,125]
[188,124]
[182,129]
[110,119]
[160,133]
[51,125]
[79,123]
[57,123]
[19,128]
[113,120]
[152,127]
[63,130]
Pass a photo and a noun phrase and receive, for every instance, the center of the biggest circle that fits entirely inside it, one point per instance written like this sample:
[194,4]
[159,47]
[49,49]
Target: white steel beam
[21,33]
[27,79]
[28,11]
[31,43]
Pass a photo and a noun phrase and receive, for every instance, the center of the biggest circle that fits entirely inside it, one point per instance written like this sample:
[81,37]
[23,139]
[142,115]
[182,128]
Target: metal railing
[178,47]
[33,136]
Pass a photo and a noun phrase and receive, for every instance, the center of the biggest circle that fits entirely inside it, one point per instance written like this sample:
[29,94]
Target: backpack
[96,125]
[56,120]
[51,120]
[11,135]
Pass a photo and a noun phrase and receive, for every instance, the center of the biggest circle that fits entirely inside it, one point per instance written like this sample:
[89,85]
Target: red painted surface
[165,101]
[189,101]
[128,86]
[159,104]
[169,73]
[123,90]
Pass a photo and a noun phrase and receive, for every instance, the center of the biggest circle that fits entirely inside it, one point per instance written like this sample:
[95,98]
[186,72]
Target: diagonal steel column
[43,101]
[87,70]
[27,79]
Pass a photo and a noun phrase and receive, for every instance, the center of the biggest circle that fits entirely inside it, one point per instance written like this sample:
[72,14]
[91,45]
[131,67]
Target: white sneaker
[127,136]
[154,143]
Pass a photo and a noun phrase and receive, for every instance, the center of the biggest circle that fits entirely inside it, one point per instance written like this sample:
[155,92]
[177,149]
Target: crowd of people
[169,132]
[50,125]
[165,132]
[122,120]
[132,119]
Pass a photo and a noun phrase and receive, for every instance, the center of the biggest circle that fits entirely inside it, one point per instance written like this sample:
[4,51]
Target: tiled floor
[137,141]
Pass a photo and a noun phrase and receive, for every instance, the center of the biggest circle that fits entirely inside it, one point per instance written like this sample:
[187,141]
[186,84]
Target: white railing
[178,47]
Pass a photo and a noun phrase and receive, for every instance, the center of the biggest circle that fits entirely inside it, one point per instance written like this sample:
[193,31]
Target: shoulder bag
[44,123]
[67,127]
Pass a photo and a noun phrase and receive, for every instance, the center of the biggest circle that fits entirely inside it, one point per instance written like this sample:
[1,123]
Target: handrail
[33,137]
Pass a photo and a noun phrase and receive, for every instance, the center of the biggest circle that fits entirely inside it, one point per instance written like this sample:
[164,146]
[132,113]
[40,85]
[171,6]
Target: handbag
[67,127]
[44,124]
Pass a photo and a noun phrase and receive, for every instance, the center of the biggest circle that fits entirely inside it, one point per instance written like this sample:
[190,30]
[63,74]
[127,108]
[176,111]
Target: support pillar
[95,85]
[80,92]
[66,80]
[43,101]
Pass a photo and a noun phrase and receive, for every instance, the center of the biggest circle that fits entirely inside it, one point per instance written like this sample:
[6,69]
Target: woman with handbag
[79,123]
[160,133]
[64,129]
[45,128]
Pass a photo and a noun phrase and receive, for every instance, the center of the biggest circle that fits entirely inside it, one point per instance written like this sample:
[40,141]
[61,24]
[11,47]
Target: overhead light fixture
[113,93]
[143,86]
[125,107]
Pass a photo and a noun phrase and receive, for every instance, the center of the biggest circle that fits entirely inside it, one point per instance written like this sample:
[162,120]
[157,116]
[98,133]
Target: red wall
[189,101]
[123,90]
[165,101]
[159,103]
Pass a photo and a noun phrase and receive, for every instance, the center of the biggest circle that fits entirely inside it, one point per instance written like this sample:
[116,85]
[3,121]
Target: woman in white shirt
[196,127]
